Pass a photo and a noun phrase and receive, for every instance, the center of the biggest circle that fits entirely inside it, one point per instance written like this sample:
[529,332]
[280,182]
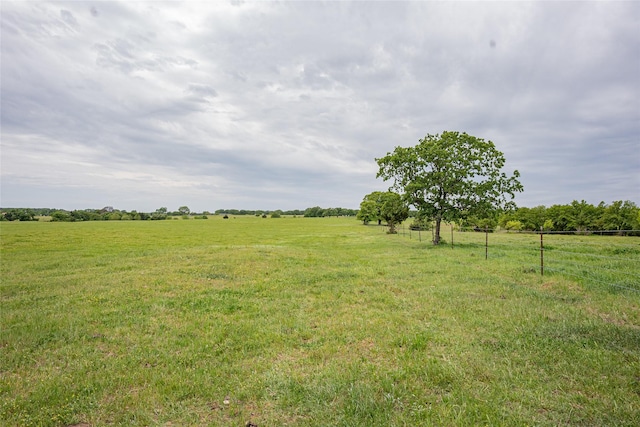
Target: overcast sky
[286,105]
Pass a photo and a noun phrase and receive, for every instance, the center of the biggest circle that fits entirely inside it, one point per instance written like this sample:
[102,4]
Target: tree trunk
[436,238]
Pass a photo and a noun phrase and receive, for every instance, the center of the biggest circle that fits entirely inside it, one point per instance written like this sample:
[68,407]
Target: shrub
[420,224]
[513,225]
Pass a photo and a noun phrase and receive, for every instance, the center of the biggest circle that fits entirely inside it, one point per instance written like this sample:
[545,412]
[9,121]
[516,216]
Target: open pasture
[310,321]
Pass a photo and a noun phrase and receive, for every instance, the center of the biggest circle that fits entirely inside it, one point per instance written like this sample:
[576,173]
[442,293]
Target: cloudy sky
[286,105]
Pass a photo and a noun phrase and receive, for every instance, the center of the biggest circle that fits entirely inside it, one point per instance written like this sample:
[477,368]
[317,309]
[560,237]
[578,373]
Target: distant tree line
[312,212]
[258,212]
[576,216]
[18,215]
[108,213]
[317,211]
[621,216]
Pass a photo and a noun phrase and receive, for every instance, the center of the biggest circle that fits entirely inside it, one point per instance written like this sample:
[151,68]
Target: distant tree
[184,210]
[513,225]
[560,215]
[451,176]
[19,215]
[393,209]
[582,216]
[313,212]
[383,205]
[159,214]
[60,216]
[487,222]
[330,212]
[620,215]
[77,215]
[532,218]
[369,208]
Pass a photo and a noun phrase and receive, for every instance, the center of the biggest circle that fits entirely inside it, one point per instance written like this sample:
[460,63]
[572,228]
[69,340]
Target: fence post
[486,243]
[451,235]
[541,254]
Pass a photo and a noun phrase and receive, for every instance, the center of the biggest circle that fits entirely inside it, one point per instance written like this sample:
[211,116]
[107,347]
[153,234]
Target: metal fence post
[541,254]
[451,235]
[486,243]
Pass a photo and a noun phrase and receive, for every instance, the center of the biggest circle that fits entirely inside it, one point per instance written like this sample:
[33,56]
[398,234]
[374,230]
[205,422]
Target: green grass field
[314,322]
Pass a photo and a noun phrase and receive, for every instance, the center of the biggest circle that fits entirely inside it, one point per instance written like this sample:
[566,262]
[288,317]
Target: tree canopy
[451,176]
[621,216]
[387,205]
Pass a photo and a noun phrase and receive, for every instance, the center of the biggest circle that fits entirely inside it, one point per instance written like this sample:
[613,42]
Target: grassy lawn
[311,321]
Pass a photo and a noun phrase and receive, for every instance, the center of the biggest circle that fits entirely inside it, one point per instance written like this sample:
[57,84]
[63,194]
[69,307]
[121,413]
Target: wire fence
[600,258]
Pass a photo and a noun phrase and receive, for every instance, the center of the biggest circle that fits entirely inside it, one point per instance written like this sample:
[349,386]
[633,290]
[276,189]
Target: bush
[420,224]
[18,215]
[513,225]
[60,216]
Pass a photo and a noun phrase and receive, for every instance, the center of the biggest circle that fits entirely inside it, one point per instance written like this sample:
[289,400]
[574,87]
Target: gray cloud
[286,105]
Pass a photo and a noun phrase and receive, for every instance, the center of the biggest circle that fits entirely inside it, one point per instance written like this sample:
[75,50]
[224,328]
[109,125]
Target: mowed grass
[306,321]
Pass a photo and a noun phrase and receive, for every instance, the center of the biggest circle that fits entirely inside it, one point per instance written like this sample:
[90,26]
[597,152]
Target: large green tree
[451,176]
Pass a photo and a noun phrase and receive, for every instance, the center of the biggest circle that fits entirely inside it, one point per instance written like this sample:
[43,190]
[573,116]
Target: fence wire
[602,257]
